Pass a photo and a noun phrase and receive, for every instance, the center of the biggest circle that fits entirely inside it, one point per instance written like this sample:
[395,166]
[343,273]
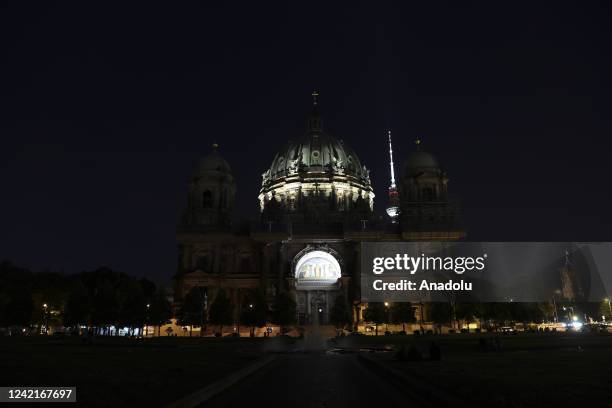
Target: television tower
[393,208]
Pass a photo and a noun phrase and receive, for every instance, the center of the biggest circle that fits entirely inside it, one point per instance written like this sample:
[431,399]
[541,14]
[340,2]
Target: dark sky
[105,112]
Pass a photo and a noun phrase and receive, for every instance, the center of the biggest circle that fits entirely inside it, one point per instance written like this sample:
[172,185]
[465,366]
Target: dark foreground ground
[530,370]
[121,371]
[527,370]
[313,380]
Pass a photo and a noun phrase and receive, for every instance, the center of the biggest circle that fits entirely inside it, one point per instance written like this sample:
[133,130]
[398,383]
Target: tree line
[103,298]
[97,299]
[253,310]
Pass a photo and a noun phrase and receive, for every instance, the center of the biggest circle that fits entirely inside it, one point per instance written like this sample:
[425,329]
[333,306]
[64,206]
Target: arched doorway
[317,276]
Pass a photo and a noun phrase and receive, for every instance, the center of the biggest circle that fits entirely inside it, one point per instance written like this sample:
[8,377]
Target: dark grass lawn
[121,371]
[532,370]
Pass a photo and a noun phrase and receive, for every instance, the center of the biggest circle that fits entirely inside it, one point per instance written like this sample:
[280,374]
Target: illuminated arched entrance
[317,276]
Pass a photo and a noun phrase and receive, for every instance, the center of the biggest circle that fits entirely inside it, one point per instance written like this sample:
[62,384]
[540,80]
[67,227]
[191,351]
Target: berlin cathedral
[316,206]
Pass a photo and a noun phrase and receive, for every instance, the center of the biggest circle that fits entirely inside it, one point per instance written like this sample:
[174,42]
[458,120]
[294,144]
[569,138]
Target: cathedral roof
[419,161]
[317,152]
[213,162]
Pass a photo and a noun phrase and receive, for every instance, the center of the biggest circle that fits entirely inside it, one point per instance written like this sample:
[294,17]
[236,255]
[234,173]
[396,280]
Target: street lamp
[147,320]
[557,292]
[203,311]
[386,317]
[45,318]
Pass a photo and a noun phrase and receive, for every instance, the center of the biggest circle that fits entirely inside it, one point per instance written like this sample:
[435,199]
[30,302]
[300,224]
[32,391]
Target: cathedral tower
[424,203]
[211,193]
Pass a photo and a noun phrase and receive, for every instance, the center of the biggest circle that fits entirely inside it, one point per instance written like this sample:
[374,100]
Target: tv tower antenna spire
[391,161]
[393,209]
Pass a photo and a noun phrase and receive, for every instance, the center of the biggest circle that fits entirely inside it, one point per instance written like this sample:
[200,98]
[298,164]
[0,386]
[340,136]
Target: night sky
[106,111]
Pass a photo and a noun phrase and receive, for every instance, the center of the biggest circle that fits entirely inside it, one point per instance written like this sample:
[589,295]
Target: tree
[548,311]
[284,308]
[76,311]
[440,313]
[340,315]
[375,313]
[160,311]
[132,304]
[254,311]
[18,310]
[221,310]
[525,312]
[604,310]
[192,309]
[105,305]
[496,313]
[402,312]
[149,289]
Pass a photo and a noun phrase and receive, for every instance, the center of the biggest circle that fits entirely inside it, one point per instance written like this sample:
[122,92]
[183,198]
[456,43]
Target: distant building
[316,206]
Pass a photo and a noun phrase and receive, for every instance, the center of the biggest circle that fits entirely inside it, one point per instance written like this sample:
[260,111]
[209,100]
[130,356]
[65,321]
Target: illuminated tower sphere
[211,192]
[393,208]
[317,179]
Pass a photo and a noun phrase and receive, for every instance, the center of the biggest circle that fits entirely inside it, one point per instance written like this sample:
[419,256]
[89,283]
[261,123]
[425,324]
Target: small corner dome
[214,162]
[418,161]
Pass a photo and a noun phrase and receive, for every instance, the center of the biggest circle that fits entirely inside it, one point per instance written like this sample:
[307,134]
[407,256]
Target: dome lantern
[314,120]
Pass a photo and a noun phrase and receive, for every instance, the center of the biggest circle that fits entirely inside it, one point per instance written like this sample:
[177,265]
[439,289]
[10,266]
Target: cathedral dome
[317,153]
[419,161]
[213,162]
[316,167]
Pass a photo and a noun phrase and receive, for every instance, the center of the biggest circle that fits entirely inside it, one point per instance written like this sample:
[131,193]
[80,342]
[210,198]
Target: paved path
[314,380]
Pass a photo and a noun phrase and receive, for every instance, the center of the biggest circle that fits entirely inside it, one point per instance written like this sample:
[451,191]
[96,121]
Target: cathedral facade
[316,206]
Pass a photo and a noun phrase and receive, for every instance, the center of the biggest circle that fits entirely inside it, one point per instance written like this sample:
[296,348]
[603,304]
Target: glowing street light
[387,318]
[44,326]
